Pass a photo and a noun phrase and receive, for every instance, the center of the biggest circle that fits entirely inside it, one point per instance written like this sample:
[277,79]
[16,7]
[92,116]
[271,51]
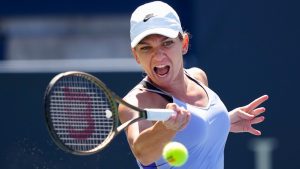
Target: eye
[167,43]
[145,48]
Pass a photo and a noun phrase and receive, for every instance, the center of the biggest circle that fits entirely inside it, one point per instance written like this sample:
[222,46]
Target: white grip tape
[159,114]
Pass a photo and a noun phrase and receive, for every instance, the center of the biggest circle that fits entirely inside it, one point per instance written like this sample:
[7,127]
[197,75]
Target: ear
[135,55]
[185,43]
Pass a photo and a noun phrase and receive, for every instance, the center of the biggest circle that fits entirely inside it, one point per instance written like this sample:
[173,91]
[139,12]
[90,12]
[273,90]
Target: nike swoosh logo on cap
[147,17]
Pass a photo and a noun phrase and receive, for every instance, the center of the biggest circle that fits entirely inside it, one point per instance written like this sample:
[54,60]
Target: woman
[201,122]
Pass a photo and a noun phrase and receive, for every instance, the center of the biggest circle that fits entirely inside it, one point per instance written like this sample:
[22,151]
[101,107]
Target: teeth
[160,66]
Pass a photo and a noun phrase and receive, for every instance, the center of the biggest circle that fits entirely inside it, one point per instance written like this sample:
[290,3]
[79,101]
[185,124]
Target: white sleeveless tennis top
[204,136]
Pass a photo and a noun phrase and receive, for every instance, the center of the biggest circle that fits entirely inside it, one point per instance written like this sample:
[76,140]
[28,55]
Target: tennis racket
[82,113]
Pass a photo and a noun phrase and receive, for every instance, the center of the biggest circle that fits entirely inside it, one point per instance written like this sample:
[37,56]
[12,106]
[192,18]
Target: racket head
[81,113]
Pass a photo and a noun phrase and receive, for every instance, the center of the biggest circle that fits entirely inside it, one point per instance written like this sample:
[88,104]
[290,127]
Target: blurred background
[247,48]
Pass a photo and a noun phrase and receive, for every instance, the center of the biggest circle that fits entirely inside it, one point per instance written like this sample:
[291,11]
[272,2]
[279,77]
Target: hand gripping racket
[82,113]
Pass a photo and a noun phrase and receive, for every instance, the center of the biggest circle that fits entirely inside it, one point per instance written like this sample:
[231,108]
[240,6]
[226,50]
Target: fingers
[244,121]
[257,120]
[251,106]
[244,115]
[179,120]
[258,111]
[173,106]
[254,131]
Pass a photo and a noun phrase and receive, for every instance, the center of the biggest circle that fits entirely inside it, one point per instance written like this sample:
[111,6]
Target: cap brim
[171,33]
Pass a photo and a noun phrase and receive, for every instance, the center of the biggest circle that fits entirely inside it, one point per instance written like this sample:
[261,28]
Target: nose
[159,53]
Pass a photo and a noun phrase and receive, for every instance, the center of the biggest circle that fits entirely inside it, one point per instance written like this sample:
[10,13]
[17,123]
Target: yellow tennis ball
[175,154]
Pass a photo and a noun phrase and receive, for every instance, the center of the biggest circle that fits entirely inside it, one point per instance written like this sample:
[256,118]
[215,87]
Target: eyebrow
[142,42]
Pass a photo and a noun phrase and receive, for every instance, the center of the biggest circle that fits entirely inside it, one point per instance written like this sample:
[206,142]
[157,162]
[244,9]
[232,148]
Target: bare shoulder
[126,113]
[142,99]
[199,74]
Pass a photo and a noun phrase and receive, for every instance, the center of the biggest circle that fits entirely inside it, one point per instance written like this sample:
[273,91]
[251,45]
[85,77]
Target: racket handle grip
[159,114]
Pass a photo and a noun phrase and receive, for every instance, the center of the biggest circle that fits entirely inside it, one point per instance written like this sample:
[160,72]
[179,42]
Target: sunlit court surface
[246,48]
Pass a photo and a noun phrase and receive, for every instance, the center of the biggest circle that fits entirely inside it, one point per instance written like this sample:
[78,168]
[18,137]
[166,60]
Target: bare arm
[146,138]
[242,118]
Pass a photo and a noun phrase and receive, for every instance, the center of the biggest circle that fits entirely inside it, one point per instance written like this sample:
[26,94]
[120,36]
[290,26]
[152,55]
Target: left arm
[242,118]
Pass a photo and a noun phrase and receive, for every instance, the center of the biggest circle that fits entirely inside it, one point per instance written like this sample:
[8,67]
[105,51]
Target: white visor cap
[154,18]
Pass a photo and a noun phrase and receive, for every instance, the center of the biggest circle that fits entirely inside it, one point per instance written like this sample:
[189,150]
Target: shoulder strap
[150,87]
[192,78]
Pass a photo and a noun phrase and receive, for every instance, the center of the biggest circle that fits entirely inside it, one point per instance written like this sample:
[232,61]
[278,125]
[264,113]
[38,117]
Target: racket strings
[78,111]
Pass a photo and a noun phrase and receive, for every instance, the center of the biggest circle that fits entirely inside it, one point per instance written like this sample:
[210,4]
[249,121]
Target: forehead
[152,37]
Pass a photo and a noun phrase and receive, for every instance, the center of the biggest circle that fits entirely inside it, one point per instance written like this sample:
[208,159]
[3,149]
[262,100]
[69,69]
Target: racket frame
[113,99]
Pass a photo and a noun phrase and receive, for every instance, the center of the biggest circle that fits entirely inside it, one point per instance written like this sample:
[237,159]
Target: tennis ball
[175,154]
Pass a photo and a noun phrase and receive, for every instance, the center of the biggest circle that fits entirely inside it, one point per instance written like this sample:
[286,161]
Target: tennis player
[201,122]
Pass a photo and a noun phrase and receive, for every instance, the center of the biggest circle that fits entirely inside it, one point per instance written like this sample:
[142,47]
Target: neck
[177,88]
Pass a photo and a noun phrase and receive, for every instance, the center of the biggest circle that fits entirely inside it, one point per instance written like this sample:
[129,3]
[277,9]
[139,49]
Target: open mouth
[162,70]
